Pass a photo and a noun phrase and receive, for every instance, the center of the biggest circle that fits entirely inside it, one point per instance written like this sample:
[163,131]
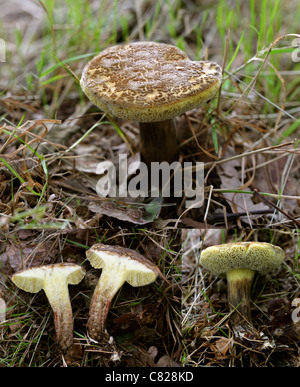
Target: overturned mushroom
[118,264]
[238,262]
[151,83]
[54,280]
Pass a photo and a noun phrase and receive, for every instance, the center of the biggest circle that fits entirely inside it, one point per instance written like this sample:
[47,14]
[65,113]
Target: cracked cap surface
[258,256]
[148,81]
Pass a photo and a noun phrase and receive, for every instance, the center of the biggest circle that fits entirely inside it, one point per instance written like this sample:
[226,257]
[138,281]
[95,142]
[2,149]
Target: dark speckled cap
[148,81]
[258,256]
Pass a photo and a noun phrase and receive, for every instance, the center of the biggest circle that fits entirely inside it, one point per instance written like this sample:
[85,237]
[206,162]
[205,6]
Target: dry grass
[207,334]
[145,321]
[52,138]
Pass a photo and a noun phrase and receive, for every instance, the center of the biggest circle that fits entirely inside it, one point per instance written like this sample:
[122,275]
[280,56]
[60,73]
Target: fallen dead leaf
[230,176]
[166,361]
[221,345]
[137,213]
[20,256]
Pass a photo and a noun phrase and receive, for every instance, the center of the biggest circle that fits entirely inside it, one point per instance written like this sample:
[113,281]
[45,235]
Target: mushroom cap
[258,256]
[139,270]
[148,81]
[32,280]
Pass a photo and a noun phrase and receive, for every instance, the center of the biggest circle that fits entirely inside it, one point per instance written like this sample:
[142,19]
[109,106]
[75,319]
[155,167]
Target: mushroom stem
[58,296]
[109,283]
[239,296]
[158,141]
[54,280]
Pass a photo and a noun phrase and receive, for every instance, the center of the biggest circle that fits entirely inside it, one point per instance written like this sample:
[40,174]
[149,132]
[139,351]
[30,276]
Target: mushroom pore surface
[33,279]
[136,268]
[148,81]
[257,256]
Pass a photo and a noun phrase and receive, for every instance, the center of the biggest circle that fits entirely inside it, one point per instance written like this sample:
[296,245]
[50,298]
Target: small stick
[240,214]
[255,191]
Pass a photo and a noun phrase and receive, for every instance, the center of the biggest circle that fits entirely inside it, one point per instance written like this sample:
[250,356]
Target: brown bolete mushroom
[151,83]
[118,264]
[239,262]
[54,280]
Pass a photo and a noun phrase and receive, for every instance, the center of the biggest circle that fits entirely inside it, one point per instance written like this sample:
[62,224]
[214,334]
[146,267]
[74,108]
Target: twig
[255,191]
[239,215]
[208,165]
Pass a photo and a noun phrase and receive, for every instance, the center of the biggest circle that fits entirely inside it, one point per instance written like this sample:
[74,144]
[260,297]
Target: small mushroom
[118,264]
[239,262]
[54,280]
[151,83]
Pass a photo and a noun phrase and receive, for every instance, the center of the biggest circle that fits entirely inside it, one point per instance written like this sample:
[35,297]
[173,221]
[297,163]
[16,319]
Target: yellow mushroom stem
[239,299]
[54,280]
[58,296]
